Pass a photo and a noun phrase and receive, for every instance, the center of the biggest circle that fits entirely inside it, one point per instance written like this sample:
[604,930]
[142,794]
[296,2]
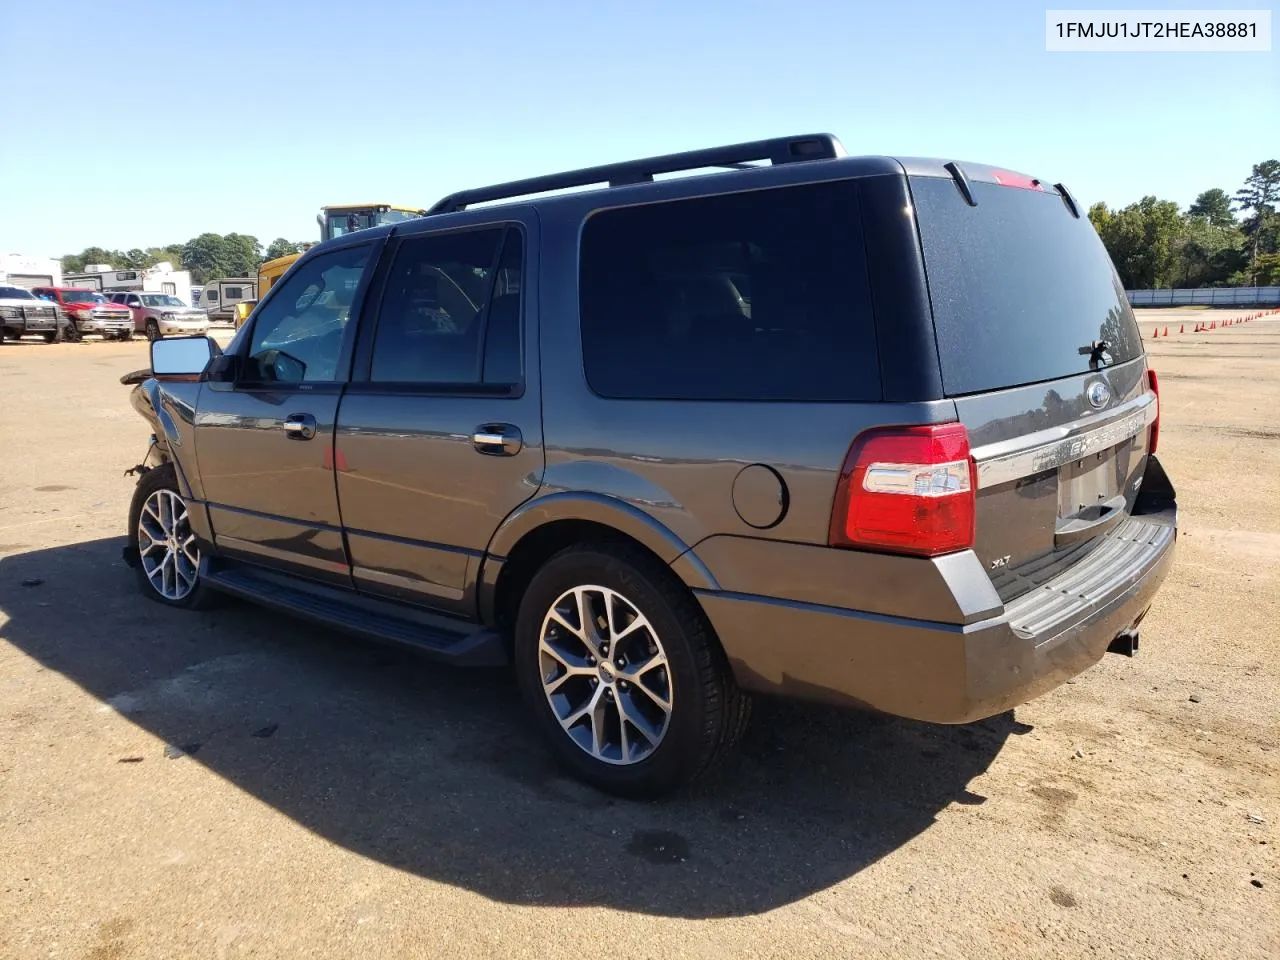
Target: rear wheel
[168,559]
[629,686]
[153,330]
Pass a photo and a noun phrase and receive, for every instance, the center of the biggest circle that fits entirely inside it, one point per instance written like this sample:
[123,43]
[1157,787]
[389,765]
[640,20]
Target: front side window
[761,295]
[299,334]
[451,310]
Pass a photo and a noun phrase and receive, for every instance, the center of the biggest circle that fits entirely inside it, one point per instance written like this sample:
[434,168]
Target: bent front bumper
[955,673]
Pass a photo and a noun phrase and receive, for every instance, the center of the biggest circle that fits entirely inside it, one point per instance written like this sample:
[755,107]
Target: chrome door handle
[497,439]
[299,426]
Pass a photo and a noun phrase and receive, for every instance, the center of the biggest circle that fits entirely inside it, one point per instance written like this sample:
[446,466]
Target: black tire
[51,336]
[3,334]
[709,713]
[126,334]
[160,478]
[153,330]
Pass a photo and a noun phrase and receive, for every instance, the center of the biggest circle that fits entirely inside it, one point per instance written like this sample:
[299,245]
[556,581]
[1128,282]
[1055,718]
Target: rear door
[439,434]
[1040,352]
[265,442]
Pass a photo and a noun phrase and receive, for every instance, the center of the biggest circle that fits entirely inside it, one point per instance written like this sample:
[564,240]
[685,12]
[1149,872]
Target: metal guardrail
[1206,296]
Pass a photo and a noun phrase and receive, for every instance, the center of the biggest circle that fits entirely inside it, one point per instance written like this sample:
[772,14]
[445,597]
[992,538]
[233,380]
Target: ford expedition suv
[878,432]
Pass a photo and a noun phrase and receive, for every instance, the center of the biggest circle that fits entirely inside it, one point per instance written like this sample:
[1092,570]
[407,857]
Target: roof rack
[816,146]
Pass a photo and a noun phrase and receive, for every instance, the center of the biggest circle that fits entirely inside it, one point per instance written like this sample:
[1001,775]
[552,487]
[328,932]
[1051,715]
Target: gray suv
[877,432]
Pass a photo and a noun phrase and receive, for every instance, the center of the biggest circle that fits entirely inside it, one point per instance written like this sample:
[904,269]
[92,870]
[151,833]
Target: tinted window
[299,334]
[210,294]
[437,316]
[235,293]
[1020,288]
[16,293]
[751,296]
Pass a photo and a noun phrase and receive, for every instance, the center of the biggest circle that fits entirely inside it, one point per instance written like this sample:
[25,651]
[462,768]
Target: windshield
[79,296]
[1021,289]
[341,222]
[161,300]
[16,293]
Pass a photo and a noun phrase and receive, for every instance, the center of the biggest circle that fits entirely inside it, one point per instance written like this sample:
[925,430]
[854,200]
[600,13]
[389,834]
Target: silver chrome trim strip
[1049,449]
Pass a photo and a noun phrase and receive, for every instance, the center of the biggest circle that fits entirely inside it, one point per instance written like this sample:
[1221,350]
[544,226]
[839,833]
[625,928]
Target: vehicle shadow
[435,770]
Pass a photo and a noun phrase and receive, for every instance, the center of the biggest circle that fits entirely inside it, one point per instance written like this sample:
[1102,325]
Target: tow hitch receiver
[1126,643]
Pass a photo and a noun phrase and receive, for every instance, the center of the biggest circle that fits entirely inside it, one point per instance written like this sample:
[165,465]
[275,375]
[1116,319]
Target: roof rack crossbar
[780,150]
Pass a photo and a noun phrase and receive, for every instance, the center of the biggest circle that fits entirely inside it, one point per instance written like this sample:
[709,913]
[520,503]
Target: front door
[439,433]
[265,442]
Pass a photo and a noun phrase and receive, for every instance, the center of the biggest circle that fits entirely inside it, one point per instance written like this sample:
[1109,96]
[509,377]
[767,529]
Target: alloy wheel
[605,674]
[166,545]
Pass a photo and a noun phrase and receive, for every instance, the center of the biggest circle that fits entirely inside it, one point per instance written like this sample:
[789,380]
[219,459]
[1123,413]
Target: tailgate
[1040,352]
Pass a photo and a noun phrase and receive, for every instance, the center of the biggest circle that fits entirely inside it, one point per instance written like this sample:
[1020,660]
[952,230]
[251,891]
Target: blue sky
[139,123]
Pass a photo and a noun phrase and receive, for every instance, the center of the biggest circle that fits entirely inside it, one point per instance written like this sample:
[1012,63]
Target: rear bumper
[951,673]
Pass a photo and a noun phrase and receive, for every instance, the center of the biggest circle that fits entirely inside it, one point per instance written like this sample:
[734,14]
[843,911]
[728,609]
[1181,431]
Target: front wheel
[125,334]
[619,665]
[153,330]
[163,545]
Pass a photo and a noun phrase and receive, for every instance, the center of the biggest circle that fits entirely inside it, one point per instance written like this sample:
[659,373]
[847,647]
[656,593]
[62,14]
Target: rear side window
[1021,289]
[749,296]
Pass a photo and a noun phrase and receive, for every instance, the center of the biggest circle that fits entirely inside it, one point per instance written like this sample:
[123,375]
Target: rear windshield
[761,295]
[1021,289]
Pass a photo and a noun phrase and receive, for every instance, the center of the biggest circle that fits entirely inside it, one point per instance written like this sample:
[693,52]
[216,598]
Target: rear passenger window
[750,296]
[451,310]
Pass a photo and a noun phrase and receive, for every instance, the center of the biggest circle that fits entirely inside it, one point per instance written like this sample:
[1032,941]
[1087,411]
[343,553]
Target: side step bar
[441,638]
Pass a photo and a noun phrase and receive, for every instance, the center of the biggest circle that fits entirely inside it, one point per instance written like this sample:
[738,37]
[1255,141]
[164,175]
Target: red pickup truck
[90,312]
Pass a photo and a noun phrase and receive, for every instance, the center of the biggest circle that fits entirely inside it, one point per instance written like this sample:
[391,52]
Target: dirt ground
[236,784]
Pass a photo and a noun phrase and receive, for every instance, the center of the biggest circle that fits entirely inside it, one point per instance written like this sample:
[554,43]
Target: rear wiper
[1097,352]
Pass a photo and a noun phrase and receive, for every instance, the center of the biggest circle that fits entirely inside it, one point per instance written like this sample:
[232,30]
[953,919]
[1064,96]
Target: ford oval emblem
[1099,394]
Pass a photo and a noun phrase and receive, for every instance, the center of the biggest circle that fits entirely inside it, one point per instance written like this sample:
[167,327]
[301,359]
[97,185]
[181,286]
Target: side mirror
[182,358]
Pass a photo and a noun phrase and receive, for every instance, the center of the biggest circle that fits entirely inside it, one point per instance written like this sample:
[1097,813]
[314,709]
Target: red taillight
[906,490]
[1008,179]
[1155,426]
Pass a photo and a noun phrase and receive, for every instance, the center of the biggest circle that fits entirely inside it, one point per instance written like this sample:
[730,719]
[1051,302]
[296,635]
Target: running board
[441,638]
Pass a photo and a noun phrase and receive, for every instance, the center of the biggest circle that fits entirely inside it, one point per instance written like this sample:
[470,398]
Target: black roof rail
[816,146]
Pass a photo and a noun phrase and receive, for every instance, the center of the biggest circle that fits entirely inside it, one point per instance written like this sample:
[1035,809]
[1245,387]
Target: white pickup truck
[22,313]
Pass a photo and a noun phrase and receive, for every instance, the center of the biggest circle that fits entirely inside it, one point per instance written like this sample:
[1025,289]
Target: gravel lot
[233,783]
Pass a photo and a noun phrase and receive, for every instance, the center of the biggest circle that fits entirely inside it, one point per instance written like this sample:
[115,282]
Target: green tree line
[208,256]
[1221,240]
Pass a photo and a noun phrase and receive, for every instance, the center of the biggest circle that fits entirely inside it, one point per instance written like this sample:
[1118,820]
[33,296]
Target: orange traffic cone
[1166,331]
[1182,328]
